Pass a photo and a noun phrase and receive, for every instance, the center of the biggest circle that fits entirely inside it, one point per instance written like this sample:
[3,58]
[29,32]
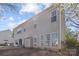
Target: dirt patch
[26,52]
[33,52]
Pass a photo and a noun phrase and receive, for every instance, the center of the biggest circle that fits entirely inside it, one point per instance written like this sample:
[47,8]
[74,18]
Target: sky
[10,19]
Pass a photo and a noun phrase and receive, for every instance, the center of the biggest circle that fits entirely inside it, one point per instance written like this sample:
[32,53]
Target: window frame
[55,39]
[47,42]
[53,15]
[41,37]
[21,30]
[35,25]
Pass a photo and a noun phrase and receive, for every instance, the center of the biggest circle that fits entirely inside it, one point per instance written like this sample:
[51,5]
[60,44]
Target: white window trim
[53,11]
[57,13]
[57,37]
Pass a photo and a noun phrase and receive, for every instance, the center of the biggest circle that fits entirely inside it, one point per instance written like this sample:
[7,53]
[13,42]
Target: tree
[72,14]
[70,40]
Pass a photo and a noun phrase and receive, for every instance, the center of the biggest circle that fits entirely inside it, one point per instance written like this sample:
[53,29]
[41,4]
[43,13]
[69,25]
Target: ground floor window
[54,39]
[35,41]
[41,40]
[48,39]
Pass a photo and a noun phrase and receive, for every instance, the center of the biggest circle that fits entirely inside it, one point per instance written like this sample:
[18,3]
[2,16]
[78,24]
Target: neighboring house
[45,30]
[5,37]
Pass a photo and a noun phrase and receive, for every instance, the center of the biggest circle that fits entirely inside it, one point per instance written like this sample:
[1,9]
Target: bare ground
[27,52]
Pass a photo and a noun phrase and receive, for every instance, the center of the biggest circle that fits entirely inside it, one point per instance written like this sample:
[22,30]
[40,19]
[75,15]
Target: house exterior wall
[5,36]
[24,34]
[40,31]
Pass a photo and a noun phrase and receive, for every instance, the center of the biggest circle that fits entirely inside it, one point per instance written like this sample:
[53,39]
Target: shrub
[71,43]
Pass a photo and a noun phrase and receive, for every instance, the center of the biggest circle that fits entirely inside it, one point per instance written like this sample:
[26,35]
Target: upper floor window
[18,32]
[53,16]
[21,30]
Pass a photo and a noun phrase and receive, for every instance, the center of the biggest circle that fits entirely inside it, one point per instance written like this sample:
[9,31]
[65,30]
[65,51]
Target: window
[42,40]
[42,37]
[54,39]
[18,32]
[53,16]
[48,39]
[48,36]
[35,25]
[21,30]
[53,19]
[34,39]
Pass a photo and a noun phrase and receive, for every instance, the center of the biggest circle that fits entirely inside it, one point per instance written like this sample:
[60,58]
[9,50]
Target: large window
[54,39]
[53,16]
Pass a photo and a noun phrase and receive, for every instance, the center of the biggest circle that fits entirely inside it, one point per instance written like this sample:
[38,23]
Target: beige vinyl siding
[41,25]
